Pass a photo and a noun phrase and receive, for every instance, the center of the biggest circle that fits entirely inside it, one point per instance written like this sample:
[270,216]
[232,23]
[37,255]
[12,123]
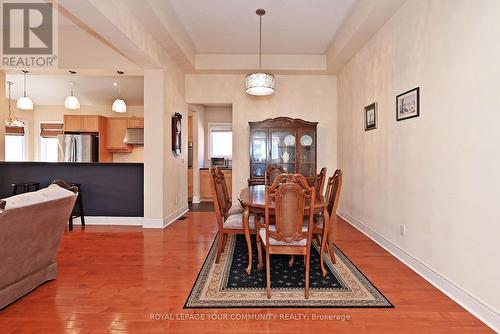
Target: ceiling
[90,90]
[289,26]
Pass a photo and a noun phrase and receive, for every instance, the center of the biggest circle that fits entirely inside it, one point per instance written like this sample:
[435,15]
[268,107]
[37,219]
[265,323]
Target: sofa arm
[64,185]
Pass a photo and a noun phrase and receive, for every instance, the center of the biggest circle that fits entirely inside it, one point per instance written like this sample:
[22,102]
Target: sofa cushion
[51,193]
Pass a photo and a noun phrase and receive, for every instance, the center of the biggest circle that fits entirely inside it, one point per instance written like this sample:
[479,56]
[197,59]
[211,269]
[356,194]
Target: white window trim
[25,141]
[40,137]
[217,126]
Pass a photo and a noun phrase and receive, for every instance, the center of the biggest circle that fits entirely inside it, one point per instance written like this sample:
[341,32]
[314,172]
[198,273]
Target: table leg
[324,238]
[246,226]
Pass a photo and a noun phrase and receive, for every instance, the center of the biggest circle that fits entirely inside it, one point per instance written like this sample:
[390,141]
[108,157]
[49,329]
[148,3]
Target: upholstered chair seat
[274,242]
[235,209]
[236,221]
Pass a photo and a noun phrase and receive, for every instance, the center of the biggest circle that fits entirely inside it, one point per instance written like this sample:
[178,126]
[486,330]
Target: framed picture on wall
[408,104]
[371,116]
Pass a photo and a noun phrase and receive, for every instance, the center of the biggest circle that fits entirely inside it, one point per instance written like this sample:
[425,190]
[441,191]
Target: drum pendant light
[119,104]
[71,101]
[260,83]
[24,102]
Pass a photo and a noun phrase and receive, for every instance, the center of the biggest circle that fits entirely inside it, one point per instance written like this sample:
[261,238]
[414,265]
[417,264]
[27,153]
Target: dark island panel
[108,189]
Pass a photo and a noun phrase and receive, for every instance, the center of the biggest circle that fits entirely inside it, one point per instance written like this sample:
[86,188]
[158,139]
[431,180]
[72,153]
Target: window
[49,143]
[15,144]
[220,140]
[48,149]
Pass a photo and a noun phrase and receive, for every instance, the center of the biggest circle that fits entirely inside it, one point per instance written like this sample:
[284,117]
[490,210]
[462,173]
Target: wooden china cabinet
[284,141]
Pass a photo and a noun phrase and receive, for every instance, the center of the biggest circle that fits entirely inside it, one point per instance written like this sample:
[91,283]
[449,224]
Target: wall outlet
[402,230]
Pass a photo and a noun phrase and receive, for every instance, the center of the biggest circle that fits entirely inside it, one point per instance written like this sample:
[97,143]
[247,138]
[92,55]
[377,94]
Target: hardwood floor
[113,279]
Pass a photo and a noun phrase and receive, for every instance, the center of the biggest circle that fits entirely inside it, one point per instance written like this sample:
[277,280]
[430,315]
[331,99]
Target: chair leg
[307,259]
[80,204]
[259,251]
[291,261]
[220,238]
[268,275]
[70,223]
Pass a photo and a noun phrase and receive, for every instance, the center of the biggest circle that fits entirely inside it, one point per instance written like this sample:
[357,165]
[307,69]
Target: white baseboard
[162,223]
[108,220]
[196,199]
[474,305]
[175,215]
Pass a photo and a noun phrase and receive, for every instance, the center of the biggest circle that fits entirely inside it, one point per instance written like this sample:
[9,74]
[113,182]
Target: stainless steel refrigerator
[78,148]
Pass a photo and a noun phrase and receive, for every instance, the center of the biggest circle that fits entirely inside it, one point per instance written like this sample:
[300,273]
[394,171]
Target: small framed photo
[371,116]
[408,104]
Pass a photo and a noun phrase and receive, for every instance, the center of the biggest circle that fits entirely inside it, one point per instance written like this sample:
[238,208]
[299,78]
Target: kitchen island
[108,189]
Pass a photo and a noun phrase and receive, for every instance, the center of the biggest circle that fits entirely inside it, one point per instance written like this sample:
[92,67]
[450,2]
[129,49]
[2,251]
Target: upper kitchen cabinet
[82,123]
[116,131]
[136,123]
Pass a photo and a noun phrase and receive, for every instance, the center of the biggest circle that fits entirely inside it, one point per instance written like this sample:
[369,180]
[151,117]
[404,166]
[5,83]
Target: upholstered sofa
[31,228]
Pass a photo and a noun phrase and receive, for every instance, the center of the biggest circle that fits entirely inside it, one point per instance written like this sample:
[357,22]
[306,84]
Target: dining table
[253,201]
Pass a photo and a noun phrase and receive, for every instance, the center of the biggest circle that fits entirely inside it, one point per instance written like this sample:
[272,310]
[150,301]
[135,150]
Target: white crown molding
[474,305]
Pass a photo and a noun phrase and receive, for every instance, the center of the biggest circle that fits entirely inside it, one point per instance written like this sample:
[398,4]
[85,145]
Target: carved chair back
[333,188]
[319,181]
[220,205]
[290,193]
[272,172]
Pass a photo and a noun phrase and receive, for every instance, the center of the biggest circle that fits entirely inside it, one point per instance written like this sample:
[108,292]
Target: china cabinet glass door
[306,152]
[258,154]
[282,150]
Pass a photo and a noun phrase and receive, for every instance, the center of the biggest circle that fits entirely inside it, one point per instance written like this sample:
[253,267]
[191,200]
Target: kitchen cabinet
[190,183]
[136,123]
[90,123]
[81,123]
[116,128]
[206,183]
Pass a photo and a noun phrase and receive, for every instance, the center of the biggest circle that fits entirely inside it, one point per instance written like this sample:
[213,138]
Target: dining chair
[319,181]
[332,196]
[228,202]
[272,172]
[288,235]
[227,223]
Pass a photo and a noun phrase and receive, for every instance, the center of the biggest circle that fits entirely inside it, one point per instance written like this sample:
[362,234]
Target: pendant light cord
[260,43]
[25,82]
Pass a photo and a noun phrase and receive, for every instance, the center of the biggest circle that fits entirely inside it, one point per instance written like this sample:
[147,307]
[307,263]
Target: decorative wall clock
[176,133]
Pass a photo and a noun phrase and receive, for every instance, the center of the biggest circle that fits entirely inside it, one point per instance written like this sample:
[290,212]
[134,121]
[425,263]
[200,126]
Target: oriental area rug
[226,284]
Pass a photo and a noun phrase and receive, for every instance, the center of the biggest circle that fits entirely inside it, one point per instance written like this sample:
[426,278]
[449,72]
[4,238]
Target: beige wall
[310,97]
[4,109]
[40,114]
[437,174]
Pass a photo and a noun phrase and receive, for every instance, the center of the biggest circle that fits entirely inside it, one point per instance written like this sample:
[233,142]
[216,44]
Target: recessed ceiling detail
[292,26]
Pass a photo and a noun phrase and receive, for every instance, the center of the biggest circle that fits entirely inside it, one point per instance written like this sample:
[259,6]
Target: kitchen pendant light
[71,101]
[12,122]
[260,83]
[119,104]
[24,102]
